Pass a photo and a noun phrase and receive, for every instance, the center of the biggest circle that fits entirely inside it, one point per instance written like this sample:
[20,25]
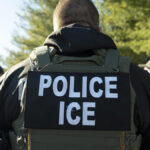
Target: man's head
[75,11]
[1,71]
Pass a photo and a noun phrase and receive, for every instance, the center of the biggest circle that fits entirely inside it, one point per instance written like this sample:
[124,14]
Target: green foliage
[15,57]
[128,23]
[35,25]
[0,58]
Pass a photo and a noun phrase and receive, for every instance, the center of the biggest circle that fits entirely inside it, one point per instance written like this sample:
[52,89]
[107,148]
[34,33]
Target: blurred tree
[0,58]
[128,23]
[35,25]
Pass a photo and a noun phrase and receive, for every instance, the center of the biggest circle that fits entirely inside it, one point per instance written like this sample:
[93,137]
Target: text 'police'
[86,86]
[46,82]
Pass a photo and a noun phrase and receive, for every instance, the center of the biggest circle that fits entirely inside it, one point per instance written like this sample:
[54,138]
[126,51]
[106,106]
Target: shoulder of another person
[138,72]
[15,73]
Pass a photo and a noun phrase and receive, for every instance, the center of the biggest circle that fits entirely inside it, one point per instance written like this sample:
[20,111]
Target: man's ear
[99,29]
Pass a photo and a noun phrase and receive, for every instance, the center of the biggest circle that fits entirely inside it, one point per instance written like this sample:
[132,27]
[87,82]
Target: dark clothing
[76,40]
[79,40]
[1,71]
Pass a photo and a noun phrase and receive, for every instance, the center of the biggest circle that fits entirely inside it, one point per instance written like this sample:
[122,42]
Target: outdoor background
[24,25]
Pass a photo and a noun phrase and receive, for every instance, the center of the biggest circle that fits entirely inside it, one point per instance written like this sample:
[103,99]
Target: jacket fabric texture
[75,40]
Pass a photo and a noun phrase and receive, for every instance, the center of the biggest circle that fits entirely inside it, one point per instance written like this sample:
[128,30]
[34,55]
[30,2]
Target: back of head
[75,11]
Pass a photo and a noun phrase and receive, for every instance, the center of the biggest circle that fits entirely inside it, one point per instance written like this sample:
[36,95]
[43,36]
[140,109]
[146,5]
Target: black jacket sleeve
[140,80]
[9,94]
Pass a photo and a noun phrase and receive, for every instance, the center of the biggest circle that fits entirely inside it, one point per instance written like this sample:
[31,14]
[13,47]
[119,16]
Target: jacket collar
[78,39]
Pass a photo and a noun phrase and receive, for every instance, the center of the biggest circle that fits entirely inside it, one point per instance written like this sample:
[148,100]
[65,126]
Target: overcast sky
[8,17]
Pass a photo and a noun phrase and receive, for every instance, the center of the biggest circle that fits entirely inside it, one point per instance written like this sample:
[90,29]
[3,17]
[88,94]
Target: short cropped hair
[75,11]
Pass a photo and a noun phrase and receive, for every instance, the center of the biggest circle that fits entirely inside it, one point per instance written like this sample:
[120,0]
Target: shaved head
[75,11]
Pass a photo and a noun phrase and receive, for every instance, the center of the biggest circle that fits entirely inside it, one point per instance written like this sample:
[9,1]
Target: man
[77,34]
[1,71]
